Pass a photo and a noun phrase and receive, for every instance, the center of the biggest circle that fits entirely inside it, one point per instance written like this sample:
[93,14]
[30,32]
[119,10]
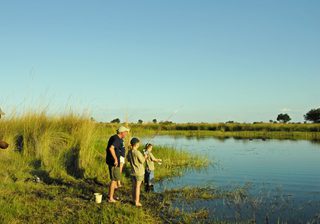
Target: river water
[282,178]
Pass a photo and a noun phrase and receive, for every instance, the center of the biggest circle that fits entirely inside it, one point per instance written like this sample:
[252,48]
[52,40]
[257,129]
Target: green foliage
[223,130]
[283,118]
[117,121]
[313,115]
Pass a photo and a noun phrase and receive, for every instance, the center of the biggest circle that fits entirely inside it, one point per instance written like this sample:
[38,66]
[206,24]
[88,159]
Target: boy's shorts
[121,159]
[114,173]
[148,177]
[138,178]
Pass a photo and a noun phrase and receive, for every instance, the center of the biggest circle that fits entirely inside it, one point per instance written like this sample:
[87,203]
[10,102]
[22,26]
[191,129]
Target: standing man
[114,150]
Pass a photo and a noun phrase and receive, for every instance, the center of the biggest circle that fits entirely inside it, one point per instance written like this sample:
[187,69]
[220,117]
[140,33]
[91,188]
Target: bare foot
[115,198]
[112,201]
[138,205]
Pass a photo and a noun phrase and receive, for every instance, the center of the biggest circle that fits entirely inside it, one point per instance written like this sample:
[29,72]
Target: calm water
[284,177]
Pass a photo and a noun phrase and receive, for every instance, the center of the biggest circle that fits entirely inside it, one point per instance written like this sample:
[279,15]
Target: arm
[113,153]
[154,159]
[145,154]
[141,158]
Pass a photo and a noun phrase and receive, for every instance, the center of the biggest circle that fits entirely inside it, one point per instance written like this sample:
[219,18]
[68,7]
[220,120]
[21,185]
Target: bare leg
[121,168]
[112,187]
[134,190]
[137,191]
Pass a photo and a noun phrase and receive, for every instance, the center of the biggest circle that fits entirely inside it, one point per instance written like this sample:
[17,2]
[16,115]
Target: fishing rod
[159,129]
[155,134]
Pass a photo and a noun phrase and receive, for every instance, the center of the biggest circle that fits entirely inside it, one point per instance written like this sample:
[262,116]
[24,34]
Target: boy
[149,172]
[136,160]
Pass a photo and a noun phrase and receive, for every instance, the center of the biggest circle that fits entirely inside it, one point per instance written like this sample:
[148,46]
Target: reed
[229,127]
[224,130]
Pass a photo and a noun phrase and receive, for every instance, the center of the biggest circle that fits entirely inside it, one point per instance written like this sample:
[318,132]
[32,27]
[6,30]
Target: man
[114,150]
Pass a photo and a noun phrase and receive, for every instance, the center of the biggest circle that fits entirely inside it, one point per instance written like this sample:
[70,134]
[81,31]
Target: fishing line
[159,129]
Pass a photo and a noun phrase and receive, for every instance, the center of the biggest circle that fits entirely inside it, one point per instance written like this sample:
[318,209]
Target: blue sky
[207,61]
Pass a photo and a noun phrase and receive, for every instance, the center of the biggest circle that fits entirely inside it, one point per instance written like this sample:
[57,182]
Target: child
[136,160]
[149,172]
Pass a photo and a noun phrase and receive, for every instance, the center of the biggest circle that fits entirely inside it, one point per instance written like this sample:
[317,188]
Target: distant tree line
[313,116]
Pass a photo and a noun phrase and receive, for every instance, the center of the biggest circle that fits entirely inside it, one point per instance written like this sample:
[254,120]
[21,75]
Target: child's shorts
[148,177]
[137,178]
[121,159]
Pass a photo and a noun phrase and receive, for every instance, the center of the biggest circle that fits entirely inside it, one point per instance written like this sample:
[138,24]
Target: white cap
[123,129]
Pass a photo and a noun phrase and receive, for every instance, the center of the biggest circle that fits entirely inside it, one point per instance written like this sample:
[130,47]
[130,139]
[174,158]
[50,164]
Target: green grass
[313,136]
[39,203]
[24,201]
[225,130]
[68,154]
[233,127]
[175,162]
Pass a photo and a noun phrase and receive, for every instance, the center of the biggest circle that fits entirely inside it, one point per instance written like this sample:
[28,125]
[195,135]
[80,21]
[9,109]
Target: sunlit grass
[174,162]
[246,131]
[67,153]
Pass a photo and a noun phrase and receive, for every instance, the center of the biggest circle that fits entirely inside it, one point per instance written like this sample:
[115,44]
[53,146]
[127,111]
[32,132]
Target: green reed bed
[314,136]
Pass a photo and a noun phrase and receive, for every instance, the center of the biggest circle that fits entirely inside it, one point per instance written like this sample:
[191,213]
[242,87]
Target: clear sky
[206,60]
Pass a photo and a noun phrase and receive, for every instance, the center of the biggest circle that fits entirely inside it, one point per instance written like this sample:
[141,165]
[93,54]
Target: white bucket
[98,197]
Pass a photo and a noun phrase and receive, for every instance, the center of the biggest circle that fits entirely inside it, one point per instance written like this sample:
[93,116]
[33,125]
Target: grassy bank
[232,127]
[224,130]
[313,136]
[67,154]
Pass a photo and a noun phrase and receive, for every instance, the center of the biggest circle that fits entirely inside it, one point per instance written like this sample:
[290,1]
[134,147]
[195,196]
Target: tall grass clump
[64,145]
[175,161]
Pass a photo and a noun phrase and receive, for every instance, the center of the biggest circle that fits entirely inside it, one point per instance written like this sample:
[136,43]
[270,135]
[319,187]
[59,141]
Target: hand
[160,160]
[116,163]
